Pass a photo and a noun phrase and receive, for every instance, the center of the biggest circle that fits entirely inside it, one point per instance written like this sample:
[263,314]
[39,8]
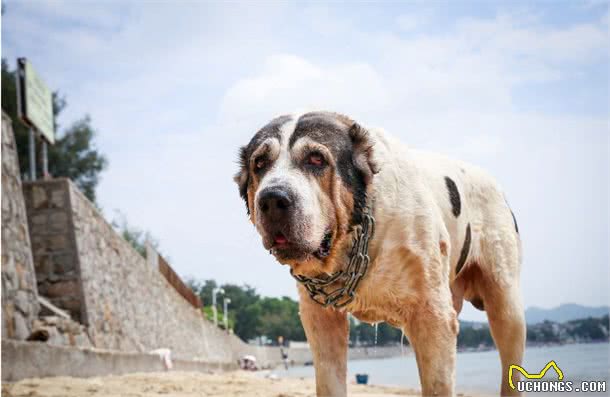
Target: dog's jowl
[387,233]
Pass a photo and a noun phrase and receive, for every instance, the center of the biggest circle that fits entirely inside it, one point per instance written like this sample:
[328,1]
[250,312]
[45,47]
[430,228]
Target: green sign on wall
[35,101]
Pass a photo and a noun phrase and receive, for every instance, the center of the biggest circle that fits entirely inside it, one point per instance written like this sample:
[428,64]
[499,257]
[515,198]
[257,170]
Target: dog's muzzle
[275,205]
[278,214]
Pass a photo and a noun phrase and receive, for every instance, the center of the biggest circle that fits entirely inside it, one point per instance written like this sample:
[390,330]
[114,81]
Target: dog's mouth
[283,247]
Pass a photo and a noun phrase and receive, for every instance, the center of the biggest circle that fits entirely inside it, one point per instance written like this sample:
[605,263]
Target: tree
[251,314]
[248,321]
[203,290]
[364,333]
[590,329]
[280,317]
[243,300]
[73,155]
[474,337]
[134,236]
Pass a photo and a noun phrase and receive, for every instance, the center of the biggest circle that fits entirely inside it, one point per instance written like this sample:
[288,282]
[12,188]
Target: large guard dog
[385,233]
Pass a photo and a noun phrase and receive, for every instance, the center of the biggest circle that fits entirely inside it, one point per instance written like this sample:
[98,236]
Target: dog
[386,233]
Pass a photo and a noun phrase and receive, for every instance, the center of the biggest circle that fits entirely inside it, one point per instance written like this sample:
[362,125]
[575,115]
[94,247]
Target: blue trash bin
[362,379]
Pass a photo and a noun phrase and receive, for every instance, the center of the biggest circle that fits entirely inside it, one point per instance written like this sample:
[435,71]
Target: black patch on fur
[515,221]
[272,130]
[465,251]
[332,131]
[243,166]
[477,302]
[325,128]
[513,215]
[454,196]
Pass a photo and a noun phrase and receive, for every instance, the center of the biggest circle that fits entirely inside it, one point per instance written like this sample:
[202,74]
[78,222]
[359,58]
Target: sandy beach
[182,384]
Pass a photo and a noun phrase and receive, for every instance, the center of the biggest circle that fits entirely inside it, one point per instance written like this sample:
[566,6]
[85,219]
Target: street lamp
[214,292]
[225,308]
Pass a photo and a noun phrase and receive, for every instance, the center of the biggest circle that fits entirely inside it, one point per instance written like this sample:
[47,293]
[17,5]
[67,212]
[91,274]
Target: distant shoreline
[389,351]
[531,345]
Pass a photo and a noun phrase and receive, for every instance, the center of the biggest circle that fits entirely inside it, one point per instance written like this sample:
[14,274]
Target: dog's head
[304,180]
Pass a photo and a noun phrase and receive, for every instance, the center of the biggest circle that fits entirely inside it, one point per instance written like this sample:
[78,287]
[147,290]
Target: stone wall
[85,267]
[54,250]
[19,294]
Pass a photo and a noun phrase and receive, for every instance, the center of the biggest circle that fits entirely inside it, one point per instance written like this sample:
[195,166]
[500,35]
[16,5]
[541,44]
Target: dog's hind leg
[499,287]
[327,332]
[507,325]
[494,274]
[498,284]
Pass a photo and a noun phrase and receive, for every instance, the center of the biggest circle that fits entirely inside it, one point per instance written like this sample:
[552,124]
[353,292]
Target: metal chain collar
[349,277]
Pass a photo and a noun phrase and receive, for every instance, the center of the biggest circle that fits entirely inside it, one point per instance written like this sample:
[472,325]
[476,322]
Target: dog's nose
[274,203]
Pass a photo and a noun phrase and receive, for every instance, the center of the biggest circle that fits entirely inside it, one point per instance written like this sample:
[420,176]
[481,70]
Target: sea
[478,373]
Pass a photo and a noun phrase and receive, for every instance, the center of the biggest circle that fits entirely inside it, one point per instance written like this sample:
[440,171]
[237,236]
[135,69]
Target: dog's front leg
[432,330]
[327,332]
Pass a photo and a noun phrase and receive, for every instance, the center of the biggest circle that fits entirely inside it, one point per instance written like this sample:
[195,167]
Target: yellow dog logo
[539,375]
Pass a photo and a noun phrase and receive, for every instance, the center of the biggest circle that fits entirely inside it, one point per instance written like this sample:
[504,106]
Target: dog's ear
[363,152]
[241,178]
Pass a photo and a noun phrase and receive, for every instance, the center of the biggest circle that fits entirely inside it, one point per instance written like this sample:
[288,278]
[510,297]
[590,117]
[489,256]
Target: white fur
[412,209]
[284,173]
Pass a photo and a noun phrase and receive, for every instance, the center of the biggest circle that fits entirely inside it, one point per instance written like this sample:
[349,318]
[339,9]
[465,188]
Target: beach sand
[182,384]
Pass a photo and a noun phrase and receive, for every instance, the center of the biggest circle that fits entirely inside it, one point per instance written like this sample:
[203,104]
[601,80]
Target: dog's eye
[260,163]
[315,159]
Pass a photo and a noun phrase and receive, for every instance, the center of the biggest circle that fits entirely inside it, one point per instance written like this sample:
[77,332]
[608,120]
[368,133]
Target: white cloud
[409,22]
[578,43]
[289,82]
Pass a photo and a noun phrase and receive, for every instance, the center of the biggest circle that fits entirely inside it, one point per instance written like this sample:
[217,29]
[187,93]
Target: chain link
[350,277]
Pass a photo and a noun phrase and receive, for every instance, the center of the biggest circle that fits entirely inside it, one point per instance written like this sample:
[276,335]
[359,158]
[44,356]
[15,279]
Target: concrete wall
[21,360]
[19,294]
[299,356]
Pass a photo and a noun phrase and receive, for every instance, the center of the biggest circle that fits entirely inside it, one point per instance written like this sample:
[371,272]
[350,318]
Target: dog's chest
[398,280]
[378,309]
[385,295]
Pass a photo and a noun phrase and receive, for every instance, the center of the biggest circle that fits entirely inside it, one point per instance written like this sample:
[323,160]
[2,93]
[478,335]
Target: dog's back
[467,198]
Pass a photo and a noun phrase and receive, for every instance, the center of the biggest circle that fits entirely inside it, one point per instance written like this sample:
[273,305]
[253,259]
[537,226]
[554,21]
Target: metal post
[32,154]
[45,161]
[214,309]
[225,311]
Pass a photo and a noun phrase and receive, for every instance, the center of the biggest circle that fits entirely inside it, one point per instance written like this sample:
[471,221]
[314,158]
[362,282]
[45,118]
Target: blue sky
[519,88]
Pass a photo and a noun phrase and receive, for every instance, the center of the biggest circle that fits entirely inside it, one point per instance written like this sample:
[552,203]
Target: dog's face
[304,179]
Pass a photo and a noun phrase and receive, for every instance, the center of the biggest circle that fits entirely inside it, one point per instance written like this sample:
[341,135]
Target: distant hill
[563,313]
[472,324]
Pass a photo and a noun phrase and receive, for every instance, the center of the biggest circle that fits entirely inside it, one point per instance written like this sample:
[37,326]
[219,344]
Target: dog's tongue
[280,239]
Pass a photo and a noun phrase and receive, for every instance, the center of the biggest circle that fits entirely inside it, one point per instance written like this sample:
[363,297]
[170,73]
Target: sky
[174,88]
